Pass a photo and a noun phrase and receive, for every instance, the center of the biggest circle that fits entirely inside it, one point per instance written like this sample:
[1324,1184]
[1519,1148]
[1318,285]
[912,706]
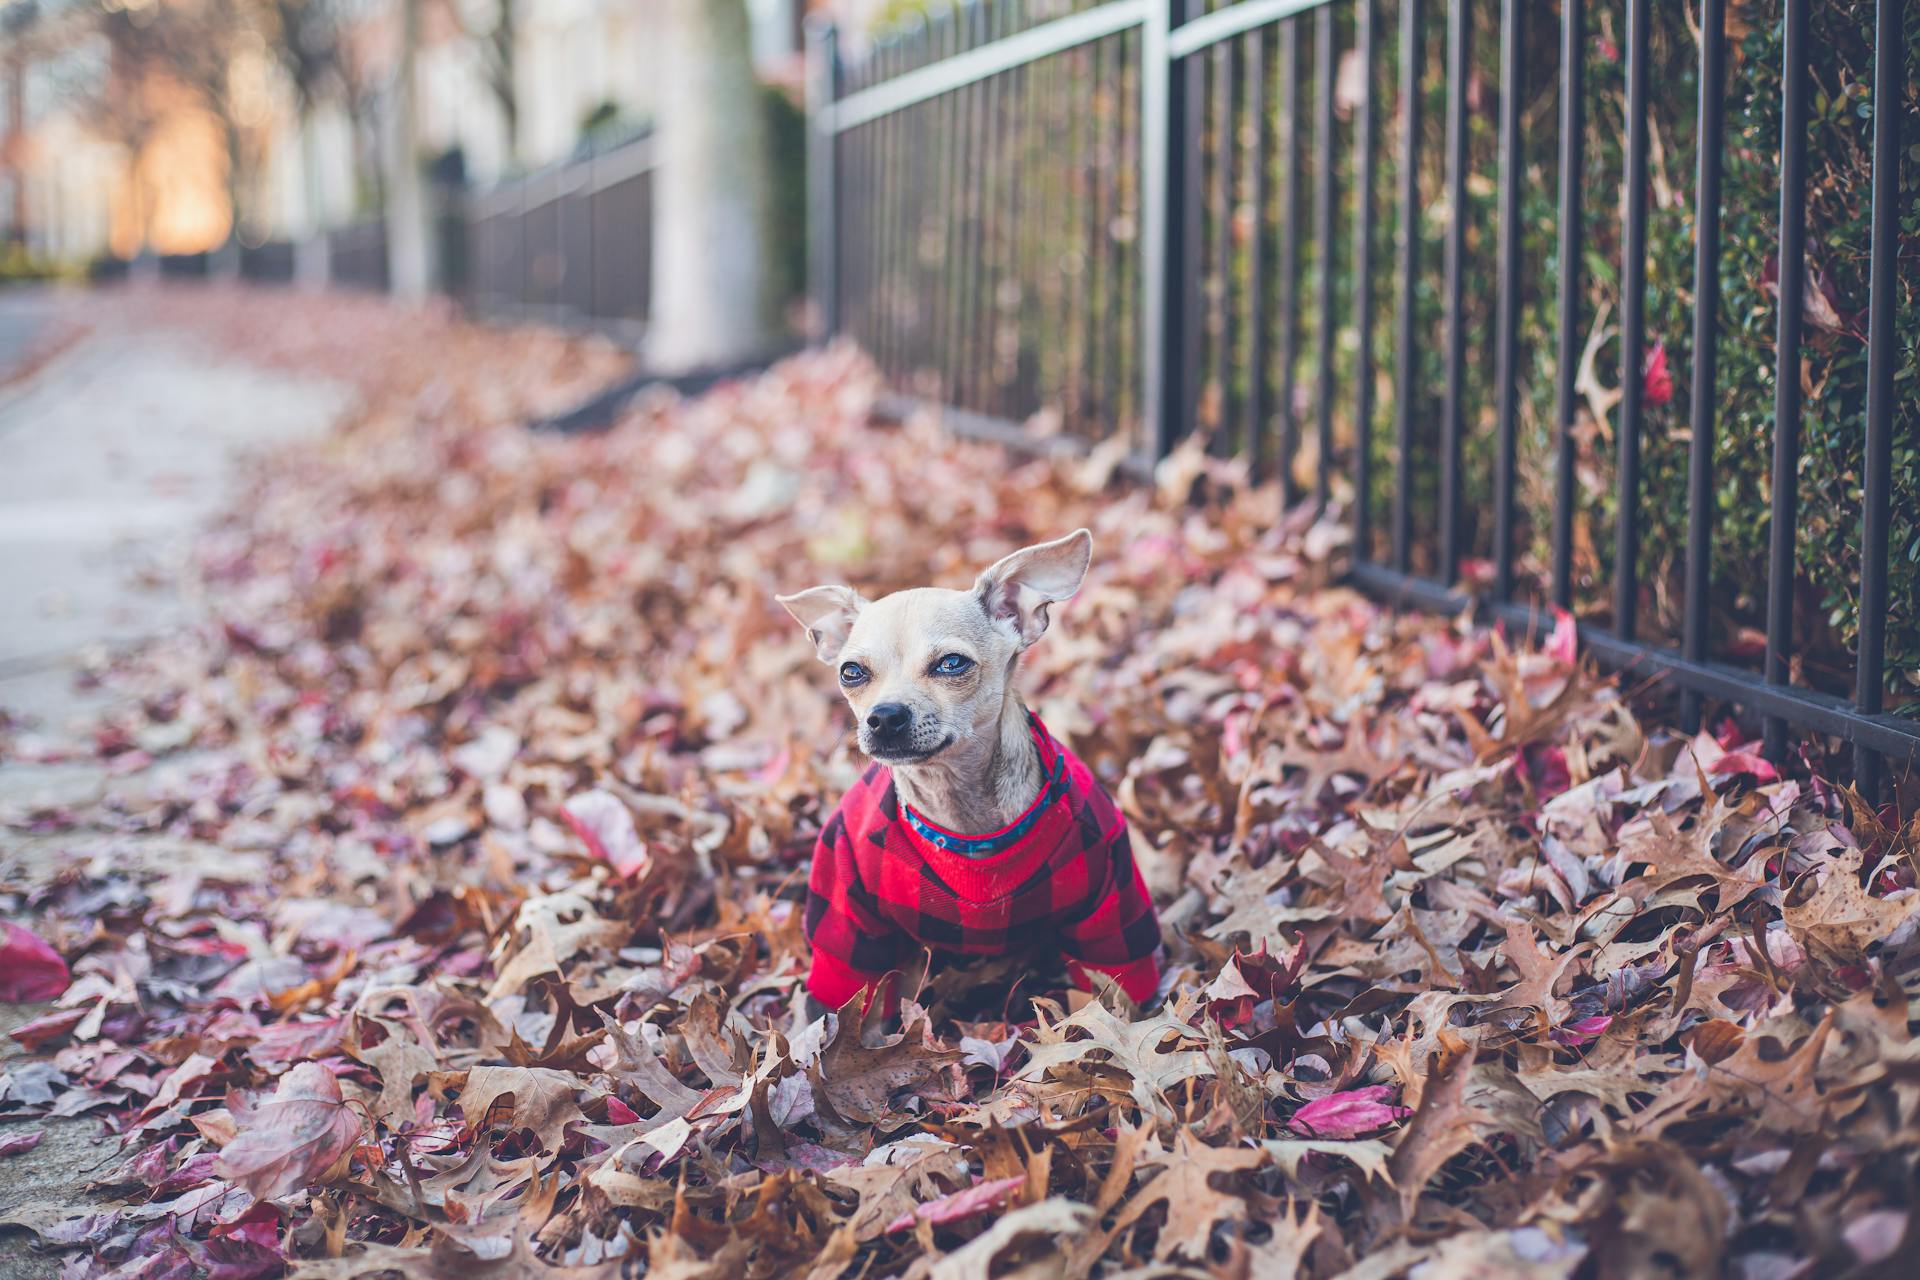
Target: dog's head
[926,668]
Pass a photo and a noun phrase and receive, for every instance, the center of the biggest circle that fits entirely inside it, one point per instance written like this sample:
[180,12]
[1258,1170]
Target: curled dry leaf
[294,1138]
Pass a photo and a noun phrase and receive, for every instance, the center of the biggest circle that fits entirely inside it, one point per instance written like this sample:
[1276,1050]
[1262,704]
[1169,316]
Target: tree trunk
[13,147]
[311,251]
[506,85]
[410,273]
[710,194]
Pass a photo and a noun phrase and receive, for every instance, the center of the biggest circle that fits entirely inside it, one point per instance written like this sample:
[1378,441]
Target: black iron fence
[569,243]
[1150,219]
[357,254]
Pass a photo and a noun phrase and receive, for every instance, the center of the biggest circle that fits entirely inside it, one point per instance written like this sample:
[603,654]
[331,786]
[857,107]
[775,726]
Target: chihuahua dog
[974,831]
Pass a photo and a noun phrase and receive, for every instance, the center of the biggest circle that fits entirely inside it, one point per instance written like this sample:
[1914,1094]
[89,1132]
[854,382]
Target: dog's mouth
[886,755]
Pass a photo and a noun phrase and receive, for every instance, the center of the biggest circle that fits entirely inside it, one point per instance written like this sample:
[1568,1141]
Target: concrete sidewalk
[113,455]
[110,457]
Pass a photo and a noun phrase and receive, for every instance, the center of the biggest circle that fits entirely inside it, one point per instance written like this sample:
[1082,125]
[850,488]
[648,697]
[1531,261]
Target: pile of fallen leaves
[474,948]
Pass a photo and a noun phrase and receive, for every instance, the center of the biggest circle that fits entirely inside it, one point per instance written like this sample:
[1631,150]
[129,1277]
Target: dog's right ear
[827,613]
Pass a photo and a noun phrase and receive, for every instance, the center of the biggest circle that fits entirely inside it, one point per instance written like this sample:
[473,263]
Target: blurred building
[102,152]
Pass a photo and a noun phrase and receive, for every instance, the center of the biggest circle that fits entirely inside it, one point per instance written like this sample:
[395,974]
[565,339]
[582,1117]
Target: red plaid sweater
[885,881]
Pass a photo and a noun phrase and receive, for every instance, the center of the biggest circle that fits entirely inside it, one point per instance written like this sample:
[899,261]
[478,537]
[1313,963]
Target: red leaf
[1544,768]
[24,1140]
[258,1226]
[1747,762]
[48,1026]
[1658,388]
[29,968]
[977,1198]
[294,1137]
[1349,1114]
[1732,759]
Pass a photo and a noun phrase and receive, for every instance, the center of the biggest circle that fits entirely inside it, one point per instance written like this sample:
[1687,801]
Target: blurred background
[497,151]
[1379,251]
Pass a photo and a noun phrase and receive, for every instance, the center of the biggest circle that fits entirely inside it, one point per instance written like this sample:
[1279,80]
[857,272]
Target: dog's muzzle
[892,733]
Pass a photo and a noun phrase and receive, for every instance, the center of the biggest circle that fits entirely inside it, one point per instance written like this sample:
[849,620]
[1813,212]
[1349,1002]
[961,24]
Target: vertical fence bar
[1191,246]
[1506,320]
[1258,313]
[1323,72]
[1221,220]
[1289,449]
[883,192]
[996,92]
[1163,111]
[1633,330]
[1453,415]
[1366,43]
[909,175]
[949,170]
[974,116]
[1566,370]
[1889,81]
[1404,358]
[1021,94]
[1786,375]
[1126,341]
[1089,397]
[823,257]
[1709,134]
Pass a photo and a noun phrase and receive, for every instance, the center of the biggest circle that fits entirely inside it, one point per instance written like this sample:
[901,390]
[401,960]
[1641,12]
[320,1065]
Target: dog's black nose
[890,719]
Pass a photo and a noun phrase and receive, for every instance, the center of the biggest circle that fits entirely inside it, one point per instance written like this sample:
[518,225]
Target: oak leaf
[1185,1185]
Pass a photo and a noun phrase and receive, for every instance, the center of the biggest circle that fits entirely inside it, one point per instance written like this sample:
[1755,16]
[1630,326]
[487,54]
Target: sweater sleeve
[854,945]
[1119,933]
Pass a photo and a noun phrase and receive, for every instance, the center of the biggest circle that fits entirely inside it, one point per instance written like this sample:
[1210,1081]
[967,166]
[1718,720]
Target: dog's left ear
[1017,590]
[827,613]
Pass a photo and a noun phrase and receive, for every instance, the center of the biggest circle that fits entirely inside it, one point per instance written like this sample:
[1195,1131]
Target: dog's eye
[953,664]
[852,673]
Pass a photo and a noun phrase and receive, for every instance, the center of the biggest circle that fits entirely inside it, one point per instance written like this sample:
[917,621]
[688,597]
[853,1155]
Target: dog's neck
[981,783]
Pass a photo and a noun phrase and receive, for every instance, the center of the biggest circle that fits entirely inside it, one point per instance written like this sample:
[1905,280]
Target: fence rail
[573,242]
[1129,215]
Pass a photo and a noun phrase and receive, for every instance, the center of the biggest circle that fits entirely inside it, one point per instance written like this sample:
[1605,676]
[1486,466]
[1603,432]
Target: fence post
[823,227]
[1163,113]
[1889,78]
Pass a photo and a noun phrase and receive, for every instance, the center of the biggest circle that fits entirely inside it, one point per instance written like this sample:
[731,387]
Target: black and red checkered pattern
[886,881]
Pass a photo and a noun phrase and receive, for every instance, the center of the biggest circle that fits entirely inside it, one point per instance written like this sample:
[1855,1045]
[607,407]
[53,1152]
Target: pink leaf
[24,1140]
[1349,1114]
[977,1198]
[1658,385]
[605,826]
[284,1043]
[294,1137]
[29,968]
[1563,643]
[1575,1034]
[1732,760]
[1747,762]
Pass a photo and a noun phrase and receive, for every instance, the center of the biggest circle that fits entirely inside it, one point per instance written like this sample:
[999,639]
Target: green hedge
[1835,348]
[1834,353]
